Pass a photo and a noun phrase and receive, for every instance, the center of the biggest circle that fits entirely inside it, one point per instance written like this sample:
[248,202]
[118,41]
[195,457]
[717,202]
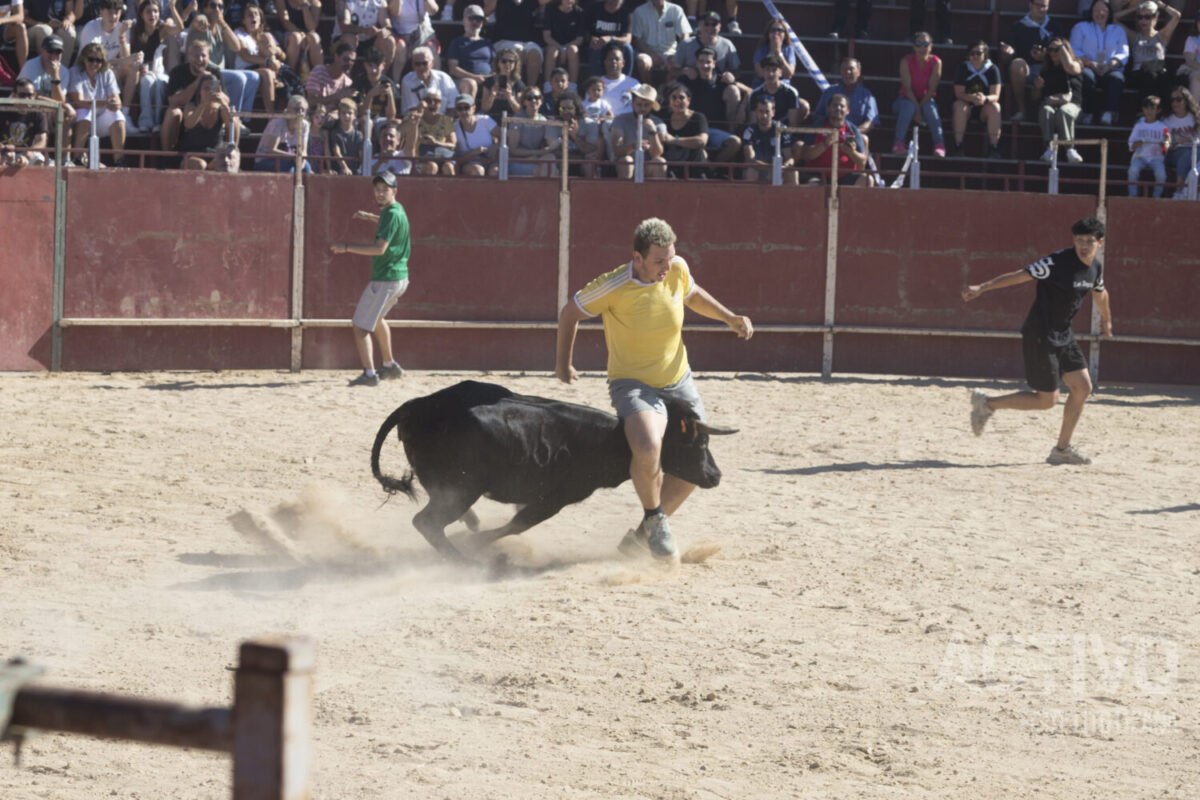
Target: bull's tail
[392,485]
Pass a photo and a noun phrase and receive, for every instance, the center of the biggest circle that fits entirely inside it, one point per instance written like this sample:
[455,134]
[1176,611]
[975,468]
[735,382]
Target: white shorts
[105,117]
[377,299]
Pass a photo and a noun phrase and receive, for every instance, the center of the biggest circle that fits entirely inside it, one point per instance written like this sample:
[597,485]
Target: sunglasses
[474,18]
[94,60]
[1053,49]
[532,98]
[420,63]
[922,43]
[433,101]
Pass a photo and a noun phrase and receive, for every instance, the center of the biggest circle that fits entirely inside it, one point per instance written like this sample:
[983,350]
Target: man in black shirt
[608,21]
[1051,351]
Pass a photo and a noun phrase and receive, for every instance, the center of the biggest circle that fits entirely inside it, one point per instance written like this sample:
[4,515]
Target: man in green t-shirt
[389,278]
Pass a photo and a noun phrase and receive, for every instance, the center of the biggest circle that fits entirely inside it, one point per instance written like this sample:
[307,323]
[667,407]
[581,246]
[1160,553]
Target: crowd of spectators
[621,75]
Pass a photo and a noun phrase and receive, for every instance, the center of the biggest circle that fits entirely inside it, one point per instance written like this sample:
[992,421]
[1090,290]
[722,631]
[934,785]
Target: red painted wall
[26,267]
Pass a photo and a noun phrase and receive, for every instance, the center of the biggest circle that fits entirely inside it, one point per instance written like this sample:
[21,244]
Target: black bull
[475,440]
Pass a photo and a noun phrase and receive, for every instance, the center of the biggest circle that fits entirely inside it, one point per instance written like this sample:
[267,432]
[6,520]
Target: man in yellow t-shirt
[641,304]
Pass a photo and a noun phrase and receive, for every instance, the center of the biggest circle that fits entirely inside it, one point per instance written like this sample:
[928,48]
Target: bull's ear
[713,430]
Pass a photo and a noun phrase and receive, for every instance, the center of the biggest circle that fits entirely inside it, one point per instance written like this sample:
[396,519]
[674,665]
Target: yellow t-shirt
[643,322]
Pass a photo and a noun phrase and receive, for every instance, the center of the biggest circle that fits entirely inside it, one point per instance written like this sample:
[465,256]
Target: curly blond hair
[653,231]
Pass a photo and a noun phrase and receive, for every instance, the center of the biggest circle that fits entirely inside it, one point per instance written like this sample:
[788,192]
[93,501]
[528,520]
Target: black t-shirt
[18,129]
[362,86]
[517,22]
[763,142]
[1059,82]
[707,99]
[181,77]
[695,126]
[1062,283]
[786,98]
[1024,37]
[971,82]
[564,28]
[602,22]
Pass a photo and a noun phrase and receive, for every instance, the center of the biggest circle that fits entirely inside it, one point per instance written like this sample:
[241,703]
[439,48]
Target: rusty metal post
[272,720]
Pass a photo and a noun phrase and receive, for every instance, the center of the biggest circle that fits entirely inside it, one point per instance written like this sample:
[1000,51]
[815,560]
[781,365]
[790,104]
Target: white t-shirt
[249,45]
[1192,45]
[106,85]
[616,92]
[362,13]
[111,41]
[480,137]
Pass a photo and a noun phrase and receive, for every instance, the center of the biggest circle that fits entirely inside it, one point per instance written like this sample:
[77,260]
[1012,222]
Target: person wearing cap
[658,27]
[435,135]
[708,34]
[422,78]
[344,141]
[45,18]
[389,254]
[50,77]
[625,132]
[469,57]
[12,29]
[475,141]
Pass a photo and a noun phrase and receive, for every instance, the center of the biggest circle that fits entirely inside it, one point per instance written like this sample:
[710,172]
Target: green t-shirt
[393,264]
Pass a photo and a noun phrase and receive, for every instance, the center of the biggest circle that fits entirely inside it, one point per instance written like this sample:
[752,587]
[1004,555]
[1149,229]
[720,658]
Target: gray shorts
[630,396]
[377,299]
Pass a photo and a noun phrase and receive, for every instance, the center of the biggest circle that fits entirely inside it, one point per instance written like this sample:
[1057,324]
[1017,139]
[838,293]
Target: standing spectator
[618,84]
[848,144]
[977,96]
[298,20]
[609,22]
[364,24]
[1149,141]
[204,121]
[565,28]
[920,73]
[475,140]
[536,142]
[412,24]
[281,140]
[12,28]
[841,13]
[183,84]
[1182,123]
[435,135]
[92,79]
[517,23]
[718,102]
[658,26]
[344,141]
[423,78]
[148,38]
[686,133]
[1189,70]
[51,18]
[758,144]
[501,91]
[916,19]
[50,77]
[113,34]
[790,109]
[260,52]
[625,135]
[774,42]
[583,135]
[1147,72]
[1103,49]
[22,128]
[1061,88]
[863,111]
[469,57]
[240,84]
[1027,52]
[329,83]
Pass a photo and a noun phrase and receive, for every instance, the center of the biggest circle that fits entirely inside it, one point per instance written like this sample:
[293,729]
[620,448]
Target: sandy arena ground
[897,608]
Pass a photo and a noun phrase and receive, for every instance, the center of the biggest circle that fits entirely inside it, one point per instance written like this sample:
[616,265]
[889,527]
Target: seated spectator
[1147,141]
[260,52]
[12,29]
[22,129]
[469,57]
[849,145]
[863,110]
[617,84]
[916,19]
[475,140]
[1182,122]
[583,135]
[365,24]
[50,78]
[423,78]
[183,84]
[205,120]
[280,140]
[758,144]
[731,12]
[977,96]
[708,34]
[227,158]
[1061,88]
[240,84]
[790,108]
[297,22]
[1147,70]
[148,39]
[91,79]
[502,89]
[775,42]
[920,73]
[558,85]
[329,83]
[412,24]
[625,135]
[344,140]
[516,29]
[1189,70]
[609,22]
[719,103]
[374,92]
[536,142]
[686,133]
[397,145]
[657,26]
[563,36]
[319,122]
[1027,51]
[45,18]
[1103,49]
[841,13]
[435,135]
[112,33]
[595,107]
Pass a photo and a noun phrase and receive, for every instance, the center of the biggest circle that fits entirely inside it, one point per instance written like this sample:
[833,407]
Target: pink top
[920,73]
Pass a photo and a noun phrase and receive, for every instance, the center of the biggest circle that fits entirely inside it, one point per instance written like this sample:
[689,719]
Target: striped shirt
[323,84]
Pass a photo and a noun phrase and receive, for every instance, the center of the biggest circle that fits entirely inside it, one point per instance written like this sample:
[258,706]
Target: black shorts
[1046,363]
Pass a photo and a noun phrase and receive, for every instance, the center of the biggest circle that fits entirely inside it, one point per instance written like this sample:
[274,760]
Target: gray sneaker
[1067,455]
[658,536]
[365,380]
[980,413]
[391,373]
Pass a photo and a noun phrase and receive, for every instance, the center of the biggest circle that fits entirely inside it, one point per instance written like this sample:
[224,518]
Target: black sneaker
[994,152]
[365,380]
[391,373]
[957,151]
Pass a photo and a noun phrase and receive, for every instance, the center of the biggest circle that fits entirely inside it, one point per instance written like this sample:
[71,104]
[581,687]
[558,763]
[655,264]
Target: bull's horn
[713,430]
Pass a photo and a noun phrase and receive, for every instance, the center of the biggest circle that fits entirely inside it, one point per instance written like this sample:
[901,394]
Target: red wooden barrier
[26,267]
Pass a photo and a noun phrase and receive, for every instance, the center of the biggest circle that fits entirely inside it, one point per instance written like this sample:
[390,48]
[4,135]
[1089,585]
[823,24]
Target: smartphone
[502,82]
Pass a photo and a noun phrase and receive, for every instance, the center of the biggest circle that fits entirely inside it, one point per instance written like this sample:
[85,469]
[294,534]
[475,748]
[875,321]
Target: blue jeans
[1180,161]
[1160,173]
[241,85]
[153,93]
[279,164]
[906,109]
[1103,93]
